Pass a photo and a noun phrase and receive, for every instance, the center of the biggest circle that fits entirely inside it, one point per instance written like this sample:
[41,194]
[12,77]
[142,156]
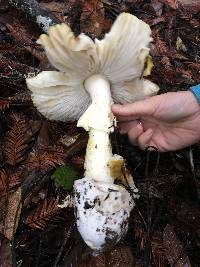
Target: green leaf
[64,177]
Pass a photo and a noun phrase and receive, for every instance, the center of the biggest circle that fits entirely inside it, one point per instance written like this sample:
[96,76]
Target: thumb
[136,109]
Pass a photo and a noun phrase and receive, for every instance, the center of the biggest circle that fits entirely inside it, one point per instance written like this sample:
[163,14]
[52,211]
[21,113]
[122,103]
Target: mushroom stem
[97,158]
[98,120]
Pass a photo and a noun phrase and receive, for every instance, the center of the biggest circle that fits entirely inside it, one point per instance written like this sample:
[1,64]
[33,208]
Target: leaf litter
[35,230]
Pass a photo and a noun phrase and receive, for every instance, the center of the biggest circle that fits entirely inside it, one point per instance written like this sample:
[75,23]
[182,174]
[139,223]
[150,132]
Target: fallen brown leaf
[57,9]
[43,139]
[190,5]
[93,20]
[12,215]
[18,139]
[45,211]
[157,6]
[5,253]
[160,44]
[77,146]
[117,257]
[24,34]
[174,249]
[45,159]
[4,104]
[172,3]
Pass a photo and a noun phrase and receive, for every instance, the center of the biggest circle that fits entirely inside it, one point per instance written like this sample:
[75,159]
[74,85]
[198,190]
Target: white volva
[103,210]
[92,75]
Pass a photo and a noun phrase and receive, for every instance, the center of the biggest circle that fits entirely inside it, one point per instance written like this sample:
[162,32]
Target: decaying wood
[41,16]
[12,215]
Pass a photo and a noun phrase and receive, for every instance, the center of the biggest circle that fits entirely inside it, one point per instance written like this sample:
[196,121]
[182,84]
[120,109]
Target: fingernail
[139,124]
[116,106]
[150,132]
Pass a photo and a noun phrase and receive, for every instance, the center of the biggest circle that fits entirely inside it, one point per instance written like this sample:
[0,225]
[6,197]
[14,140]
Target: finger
[125,127]
[145,138]
[126,118]
[134,133]
[137,109]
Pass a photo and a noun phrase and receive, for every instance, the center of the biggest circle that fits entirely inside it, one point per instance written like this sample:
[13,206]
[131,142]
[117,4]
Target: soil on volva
[164,228]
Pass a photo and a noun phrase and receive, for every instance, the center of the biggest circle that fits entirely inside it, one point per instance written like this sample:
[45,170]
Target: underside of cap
[121,57]
[56,98]
[67,53]
[131,91]
[119,52]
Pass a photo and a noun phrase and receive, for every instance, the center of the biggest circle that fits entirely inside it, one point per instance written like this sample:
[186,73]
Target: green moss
[64,177]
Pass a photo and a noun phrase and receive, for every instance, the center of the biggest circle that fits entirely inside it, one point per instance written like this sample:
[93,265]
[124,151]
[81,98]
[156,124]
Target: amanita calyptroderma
[93,75]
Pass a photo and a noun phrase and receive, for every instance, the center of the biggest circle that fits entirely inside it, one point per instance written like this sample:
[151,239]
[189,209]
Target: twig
[41,16]
[191,160]
[39,251]
[66,238]
[16,66]
[150,203]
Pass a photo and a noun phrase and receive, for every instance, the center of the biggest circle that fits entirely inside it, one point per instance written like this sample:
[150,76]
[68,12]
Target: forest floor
[36,155]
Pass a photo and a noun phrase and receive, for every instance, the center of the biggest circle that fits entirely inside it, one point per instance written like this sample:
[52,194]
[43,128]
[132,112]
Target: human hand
[169,121]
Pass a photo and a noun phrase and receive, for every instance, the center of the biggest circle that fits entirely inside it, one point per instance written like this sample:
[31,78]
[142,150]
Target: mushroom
[92,76]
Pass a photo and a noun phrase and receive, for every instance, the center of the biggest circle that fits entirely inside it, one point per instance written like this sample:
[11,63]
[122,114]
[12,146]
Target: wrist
[189,105]
[196,92]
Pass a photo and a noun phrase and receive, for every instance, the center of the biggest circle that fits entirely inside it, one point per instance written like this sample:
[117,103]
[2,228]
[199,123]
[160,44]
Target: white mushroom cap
[103,210]
[120,57]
